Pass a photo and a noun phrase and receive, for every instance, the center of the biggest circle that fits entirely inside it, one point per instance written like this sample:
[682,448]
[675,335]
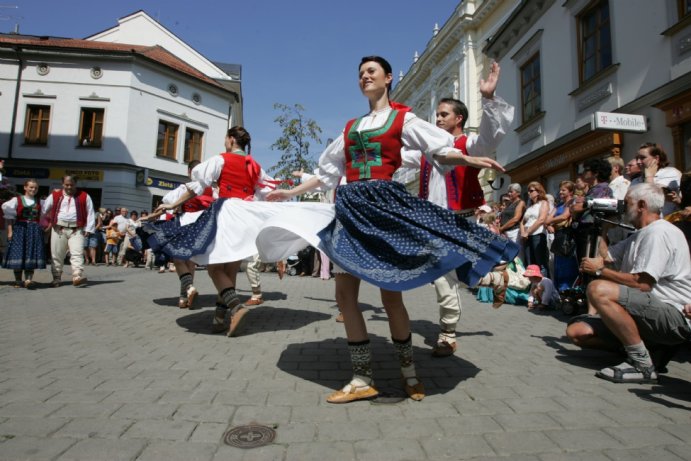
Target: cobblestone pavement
[115,370]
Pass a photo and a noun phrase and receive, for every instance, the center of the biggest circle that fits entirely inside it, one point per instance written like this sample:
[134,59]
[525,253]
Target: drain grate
[250,436]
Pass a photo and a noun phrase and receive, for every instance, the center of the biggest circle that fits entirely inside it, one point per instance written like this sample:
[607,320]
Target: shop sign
[82,175]
[37,173]
[619,122]
[161,183]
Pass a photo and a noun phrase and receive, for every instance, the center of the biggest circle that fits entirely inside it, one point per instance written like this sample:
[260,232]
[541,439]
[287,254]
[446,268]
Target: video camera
[607,206]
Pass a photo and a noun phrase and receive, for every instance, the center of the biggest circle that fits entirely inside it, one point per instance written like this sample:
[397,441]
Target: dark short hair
[599,167]
[382,62]
[242,136]
[458,108]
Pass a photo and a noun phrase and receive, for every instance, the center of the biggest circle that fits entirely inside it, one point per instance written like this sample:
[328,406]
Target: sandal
[352,393]
[628,373]
[416,391]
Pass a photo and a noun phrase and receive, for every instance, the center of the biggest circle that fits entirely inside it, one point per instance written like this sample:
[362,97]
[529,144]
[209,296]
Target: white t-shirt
[531,215]
[660,250]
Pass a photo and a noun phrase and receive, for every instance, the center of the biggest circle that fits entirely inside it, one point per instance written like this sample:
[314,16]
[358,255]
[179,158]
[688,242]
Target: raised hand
[487,87]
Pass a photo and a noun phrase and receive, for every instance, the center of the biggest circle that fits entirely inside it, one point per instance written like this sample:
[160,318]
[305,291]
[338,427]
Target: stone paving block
[425,410]
[165,451]
[462,447]
[399,428]
[73,396]
[103,450]
[676,415]
[32,427]
[318,451]
[188,383]
[208,433]
[510,443]
[681,431]
[658,453]
[581,439]
[26,395]
[296,432]
[261,415]
[180,397]
[535,405]
[468,425]
[215,413]
[101,428]
[634,417]
[482,407]
[324,413]
[304,398]
[141,396]
[392,449]
[29,409]
[526,422]
[87,410]
[33,448]
[231,397]
[336,432]
[586,419]
[578,456]
[145,411]
[73,384]
[639,437]
[273,452]
[160,429]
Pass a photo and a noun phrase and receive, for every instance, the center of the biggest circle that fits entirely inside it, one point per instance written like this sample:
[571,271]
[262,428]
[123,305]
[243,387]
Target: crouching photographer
[637,300]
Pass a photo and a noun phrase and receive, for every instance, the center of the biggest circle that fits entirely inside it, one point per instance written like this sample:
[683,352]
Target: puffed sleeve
[431,141]
[9,209]
[497,117]
[332,164]
[174,195]
[205,174]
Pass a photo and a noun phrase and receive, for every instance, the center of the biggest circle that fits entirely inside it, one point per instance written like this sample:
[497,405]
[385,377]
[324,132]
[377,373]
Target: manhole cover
[251,436]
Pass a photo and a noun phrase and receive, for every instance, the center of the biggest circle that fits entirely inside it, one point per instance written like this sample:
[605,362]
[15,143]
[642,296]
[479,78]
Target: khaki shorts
[657,322]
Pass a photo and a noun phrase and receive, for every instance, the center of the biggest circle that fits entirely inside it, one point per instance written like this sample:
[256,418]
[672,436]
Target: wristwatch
[598,272]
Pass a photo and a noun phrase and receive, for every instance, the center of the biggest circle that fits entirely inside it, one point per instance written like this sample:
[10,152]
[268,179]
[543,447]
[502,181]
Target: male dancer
[459,189]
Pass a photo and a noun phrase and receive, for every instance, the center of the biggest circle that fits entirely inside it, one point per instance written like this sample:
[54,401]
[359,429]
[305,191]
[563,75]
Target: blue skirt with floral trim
[396,241]
[25,251]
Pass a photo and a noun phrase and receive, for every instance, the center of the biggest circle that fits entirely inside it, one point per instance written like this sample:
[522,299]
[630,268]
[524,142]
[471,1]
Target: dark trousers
[536,252]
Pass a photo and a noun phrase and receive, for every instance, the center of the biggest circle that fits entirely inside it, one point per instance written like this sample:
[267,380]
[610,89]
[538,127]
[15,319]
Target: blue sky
[291,51]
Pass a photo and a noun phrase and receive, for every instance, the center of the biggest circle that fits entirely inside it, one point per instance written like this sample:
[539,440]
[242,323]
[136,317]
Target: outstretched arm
[279,195]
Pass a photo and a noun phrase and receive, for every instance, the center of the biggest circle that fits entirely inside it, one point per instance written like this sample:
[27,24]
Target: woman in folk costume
[25,250]
[185,268]
[384,235]
[223,235]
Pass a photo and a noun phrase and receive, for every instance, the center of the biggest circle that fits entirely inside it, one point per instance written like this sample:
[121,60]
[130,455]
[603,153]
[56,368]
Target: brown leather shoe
[444,349]
[236,320]
[254,302]
[416,392]
[79,281]
[191,295]
[182,302]
[351,393]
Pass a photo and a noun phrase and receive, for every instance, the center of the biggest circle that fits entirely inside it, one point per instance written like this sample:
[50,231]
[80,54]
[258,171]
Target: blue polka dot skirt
[396,241]
[25,251]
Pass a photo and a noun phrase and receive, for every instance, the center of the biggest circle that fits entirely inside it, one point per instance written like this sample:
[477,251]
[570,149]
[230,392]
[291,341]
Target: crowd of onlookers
[553,231]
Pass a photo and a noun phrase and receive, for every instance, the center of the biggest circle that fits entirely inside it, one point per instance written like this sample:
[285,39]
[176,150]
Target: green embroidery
[365,154]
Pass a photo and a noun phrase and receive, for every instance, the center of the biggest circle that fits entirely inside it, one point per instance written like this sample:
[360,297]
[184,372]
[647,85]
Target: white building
[563,61]
[124,111]
[452,64]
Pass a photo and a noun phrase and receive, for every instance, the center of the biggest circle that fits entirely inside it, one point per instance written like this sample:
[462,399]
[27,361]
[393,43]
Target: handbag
[564,244]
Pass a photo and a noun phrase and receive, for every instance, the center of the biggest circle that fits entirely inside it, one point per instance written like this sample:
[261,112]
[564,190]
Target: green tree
[295,141]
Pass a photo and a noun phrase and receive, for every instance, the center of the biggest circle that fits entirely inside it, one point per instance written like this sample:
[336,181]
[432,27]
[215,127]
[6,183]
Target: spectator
[533,230]
[639,297]
[510,220]
[682,197]
[112,240]
[633,172]
[617,182]
[122,221]
[507,283]
[543,295]
[596,174]
[652,160]
[565,263]
[91,243]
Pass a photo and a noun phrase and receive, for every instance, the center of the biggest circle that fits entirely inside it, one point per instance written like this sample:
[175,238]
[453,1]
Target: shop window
[683,8]
[91,127]
[167,140]
[193,145]
[37,121]
[595,40]
[531,92]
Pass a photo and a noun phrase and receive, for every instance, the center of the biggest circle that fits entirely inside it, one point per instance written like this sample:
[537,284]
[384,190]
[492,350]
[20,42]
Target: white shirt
[68,211]
[660,250]
[532,213]
[122,222]
[9,208]
[497,116]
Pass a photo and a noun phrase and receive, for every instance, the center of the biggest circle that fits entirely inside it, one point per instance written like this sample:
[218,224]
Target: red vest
[374,154]
[200,202]
[80,202]
[463,189]
[28,213]
[238,177]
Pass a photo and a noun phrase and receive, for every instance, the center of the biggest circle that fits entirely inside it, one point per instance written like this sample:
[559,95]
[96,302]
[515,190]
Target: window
[531,94]
[683,7]
[91,127]
[167,139]
[193,145]
[595,41]
[36,129]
